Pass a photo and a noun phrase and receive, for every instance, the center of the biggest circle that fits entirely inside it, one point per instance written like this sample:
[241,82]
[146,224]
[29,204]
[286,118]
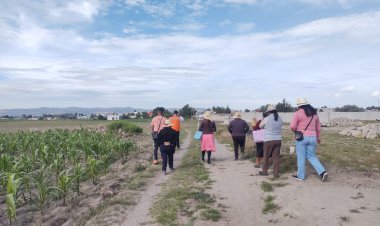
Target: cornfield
[36,167]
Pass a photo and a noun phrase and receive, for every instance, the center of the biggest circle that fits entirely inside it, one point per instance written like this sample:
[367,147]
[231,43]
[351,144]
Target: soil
[345,199]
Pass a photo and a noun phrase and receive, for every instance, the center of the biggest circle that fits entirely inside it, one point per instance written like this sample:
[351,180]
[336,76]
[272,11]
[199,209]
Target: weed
[354,211]
[140,167]
[270,206]
[266,187]
[345,219]
[211,214]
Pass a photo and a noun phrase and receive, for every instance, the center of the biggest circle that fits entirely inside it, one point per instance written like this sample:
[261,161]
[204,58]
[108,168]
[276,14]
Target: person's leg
[301,158]
[203,155]
[178,146]
[267,150]
[164,157]
[276,158]
[236,147]
[311,156]
[259,153]
[242,144]
[155,151]
[209,157]
[170,157]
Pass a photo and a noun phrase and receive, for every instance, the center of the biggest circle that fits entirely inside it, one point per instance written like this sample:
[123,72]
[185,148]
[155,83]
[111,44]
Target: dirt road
[346,199]
[139,214]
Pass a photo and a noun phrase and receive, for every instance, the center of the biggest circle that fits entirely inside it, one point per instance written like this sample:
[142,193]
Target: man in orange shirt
[176,121]
[157,125]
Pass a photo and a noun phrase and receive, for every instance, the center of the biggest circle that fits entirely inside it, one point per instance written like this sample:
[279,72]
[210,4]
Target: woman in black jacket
[167,139]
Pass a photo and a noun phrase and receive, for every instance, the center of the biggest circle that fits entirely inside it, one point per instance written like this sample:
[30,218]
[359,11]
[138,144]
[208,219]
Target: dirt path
[346,199]
[139,214]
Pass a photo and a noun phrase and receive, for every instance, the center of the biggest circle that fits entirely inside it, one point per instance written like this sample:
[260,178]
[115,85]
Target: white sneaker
[324,176]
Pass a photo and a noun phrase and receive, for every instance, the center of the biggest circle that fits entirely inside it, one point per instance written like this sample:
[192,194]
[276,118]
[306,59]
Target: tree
[349,108]
[187,111]
[247,110]
[284,106]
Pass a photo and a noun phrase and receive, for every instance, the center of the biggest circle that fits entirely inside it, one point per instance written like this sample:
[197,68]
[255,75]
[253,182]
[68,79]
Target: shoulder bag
[298,134]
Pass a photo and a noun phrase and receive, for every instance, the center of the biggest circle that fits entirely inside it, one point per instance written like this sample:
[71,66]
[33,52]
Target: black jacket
[238,127]
[167,134]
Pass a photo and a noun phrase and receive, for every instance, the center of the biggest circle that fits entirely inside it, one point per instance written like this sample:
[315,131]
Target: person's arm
[201,126]
[230,127]
[214,126]
[246,127]
[294,122]
[152,125]
[263,122]
[318,129]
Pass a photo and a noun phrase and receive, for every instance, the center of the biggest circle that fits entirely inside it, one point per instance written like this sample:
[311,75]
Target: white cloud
[86,8]
[135,2]
[348,89]
[245,27]
[376,94]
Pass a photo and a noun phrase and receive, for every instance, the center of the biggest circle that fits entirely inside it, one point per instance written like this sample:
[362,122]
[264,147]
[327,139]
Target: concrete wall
[323,116]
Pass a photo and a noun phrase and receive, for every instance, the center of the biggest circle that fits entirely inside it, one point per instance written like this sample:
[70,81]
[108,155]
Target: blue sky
[141,53]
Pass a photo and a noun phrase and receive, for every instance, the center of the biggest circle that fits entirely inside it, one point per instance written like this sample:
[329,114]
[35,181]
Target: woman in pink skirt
[207,126]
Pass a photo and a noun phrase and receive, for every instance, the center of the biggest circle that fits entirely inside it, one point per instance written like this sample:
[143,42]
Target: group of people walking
[305,121]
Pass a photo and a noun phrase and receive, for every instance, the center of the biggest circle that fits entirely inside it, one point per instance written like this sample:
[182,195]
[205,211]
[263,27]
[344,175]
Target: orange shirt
[175,120]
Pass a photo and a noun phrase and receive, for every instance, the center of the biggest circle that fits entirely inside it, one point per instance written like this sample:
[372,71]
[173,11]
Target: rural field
[100,173]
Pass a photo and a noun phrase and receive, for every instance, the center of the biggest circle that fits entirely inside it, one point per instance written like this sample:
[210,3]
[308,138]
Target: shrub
[124,126]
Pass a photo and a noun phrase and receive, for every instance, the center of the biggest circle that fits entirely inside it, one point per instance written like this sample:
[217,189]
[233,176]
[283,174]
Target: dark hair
[175,112]
[309,110]
[161,109]
[275,114]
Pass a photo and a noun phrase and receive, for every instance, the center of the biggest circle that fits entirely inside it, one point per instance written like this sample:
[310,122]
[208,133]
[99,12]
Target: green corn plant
[57,166]
[79,171]
[11,207]
[93,166]
[10,199]
[43,191]
[65,181]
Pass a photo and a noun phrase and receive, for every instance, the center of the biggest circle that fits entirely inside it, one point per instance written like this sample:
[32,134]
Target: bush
[124,126]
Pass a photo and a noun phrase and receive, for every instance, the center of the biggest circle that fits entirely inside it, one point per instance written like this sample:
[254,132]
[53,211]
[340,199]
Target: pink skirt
[208,142]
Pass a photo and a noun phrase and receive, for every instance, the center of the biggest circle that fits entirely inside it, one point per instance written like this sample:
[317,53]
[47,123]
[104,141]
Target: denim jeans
[306,150]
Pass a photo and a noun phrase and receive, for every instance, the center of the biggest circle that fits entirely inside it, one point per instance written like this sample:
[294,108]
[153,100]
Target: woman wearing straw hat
[272,140]
[208,127]
[306,120]
[167,138]
[238,128]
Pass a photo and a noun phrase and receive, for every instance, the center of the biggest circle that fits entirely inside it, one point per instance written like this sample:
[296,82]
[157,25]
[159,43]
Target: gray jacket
[238,127]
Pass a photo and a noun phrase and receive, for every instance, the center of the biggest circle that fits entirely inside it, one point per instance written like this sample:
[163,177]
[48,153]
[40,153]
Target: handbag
[258,135]
[198,135]
[155,133]
[298,135]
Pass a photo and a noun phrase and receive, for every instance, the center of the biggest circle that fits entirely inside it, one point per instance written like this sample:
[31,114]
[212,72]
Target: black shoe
[208,161]
[257,166]
[261,173]
[295,176]
[324,176]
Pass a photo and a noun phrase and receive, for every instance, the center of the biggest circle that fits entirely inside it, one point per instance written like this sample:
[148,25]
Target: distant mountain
[69,110]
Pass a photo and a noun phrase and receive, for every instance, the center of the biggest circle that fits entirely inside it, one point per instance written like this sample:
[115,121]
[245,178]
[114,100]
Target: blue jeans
[306,150]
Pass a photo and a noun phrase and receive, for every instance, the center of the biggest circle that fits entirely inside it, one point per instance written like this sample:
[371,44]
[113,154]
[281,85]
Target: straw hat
[207,115]
[168,123]
[301,101]
[237,114]
[270,107]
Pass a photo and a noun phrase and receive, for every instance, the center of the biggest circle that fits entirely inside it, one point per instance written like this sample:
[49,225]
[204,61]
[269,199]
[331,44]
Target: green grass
[269,205]
[185,193]
[266,187]
[124,126]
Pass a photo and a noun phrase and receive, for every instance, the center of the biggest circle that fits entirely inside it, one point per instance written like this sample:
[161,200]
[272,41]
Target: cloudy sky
[148,53]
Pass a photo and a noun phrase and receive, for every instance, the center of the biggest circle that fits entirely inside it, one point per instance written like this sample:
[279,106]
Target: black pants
[155,150]
[239,141]
[177,139]
[259,150]
[167,153]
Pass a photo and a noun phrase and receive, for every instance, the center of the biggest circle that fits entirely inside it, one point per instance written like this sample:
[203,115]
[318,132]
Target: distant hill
[69,110]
